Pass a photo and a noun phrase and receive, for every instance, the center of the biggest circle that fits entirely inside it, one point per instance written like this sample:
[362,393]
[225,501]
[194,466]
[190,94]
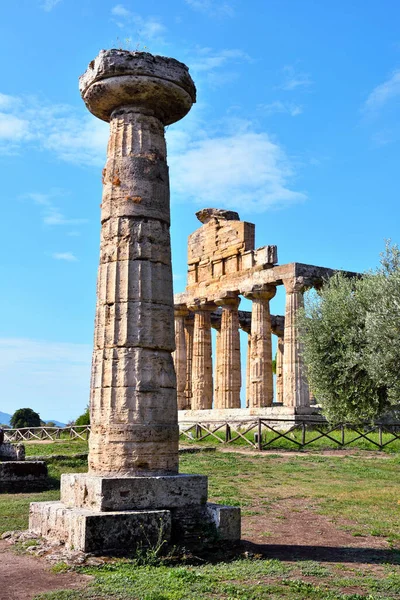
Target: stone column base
[124,531]
[22,476]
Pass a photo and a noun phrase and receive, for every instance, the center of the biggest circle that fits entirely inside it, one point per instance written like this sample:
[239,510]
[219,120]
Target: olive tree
[350,332]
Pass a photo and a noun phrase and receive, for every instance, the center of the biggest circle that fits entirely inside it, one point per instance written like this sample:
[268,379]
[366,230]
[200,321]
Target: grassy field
[354,497]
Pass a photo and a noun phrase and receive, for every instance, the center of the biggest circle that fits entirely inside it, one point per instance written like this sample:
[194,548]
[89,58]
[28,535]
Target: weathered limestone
[202,379]
[189,329]
[296,391]
[228,354]
[261,378]
[180,357]
[16,474]
[133,483]
[279,370]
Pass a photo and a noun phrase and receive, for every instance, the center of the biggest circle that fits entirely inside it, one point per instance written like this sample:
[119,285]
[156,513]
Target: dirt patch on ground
[22,576]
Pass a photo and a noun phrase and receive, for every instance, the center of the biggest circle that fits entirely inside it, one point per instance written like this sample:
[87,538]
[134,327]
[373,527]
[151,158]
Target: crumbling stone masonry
[17,474]
[223,265]
[133,492]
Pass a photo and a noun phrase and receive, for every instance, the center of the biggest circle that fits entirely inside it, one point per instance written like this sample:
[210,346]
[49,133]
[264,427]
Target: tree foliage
[84,419]
[25,417]
[351,342]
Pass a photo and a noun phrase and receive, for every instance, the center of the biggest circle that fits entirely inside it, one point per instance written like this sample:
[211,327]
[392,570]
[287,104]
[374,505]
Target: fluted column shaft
[180,357]
[217,327]
[261,376]
[295,385]
[202,379]
[133,393]
[279,370]
[228,357]
[189,327]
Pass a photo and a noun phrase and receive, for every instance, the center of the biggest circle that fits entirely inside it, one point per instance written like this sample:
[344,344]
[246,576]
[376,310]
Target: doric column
[134,425]
[189,326]
[261,376]
[295,386]
[202,379]
[216,324]
[228,357]
[279,370]
[180,355]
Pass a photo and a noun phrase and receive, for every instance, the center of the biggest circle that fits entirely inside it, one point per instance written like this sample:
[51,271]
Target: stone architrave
[295,386]
[261,376]
[202,378]
[228,354]
[180,356]
[279,370]
[133,492]
[189,327]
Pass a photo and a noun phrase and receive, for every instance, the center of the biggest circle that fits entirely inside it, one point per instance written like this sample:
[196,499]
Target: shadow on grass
[324,553]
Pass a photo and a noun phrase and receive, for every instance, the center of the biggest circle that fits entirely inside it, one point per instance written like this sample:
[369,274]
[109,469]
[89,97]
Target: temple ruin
[223,265]
[18,474]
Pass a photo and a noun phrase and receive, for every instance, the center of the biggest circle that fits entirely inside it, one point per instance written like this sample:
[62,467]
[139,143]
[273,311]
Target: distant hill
[5,418]
[57,423]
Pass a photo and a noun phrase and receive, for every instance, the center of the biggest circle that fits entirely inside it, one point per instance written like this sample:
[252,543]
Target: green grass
[359,493]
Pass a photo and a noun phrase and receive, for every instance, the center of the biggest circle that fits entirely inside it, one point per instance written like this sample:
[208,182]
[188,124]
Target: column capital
[181,310]
[265,292]
[228,300]
[297,284]
[201,304]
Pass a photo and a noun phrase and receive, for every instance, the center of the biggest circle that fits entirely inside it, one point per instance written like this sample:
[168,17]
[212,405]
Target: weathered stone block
[132,493]
[90,531]
[21,476]
[226,520]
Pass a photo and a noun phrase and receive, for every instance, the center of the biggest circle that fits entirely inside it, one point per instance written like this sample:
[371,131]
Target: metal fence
[261,434]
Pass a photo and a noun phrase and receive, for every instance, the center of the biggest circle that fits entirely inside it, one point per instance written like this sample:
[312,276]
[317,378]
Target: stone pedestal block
[124,531]
[22,476]
[132,493]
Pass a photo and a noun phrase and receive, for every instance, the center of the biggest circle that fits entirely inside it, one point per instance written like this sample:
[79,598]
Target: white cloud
[242,169]
[67,256]
[207,60]
[64,131]
[7,101]
[383,93]
[51,213]
[146,28]
[50,377]
[213,8]
[294,79]
[48,5]
[281,107]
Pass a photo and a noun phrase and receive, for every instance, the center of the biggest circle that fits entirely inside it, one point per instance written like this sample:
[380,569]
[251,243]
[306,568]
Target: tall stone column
[228,357]
[216,324]
[295,385]
[180,356]
[279,370]
[133,493]
[261,376]
[189,327]
[202,379]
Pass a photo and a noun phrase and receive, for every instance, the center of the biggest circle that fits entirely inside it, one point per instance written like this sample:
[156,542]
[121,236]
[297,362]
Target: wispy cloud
[146,28]
[383,93]
[48,5]
[67,256]
[58,375]
[67,133]
[281,107]
[242,168]
[51,213]
[294,79]
[206,59]
[213,8]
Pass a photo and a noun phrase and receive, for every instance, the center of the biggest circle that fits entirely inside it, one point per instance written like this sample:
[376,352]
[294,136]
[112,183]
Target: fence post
[303,434]
[259,441]
[228,435]
[380,438]
[198,431]
[342,430]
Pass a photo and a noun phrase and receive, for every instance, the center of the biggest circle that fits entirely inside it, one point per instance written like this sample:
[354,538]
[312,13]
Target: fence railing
[263,434]
[27,434]
[258,433]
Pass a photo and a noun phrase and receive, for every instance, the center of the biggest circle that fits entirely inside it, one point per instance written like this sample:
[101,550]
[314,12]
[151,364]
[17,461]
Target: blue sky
[296,127]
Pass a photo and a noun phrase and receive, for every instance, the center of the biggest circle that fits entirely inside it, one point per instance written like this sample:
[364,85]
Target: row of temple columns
[197,389]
